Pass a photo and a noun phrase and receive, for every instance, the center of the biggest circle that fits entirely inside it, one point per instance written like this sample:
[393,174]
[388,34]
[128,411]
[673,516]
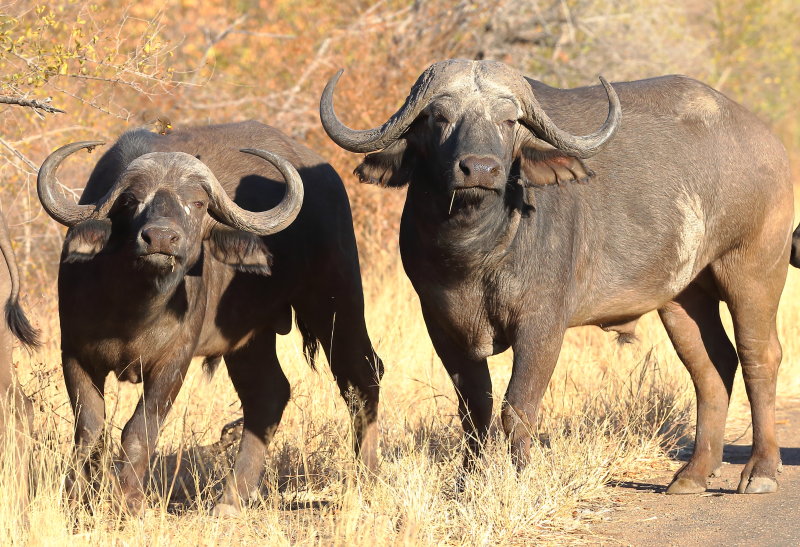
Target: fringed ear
[86,239]
[544,167]
[389,168]
[244,251]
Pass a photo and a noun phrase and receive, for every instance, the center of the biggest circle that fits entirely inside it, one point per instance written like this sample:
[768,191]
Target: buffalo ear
[86,239]
[244,251]
[539,167]
[389,168]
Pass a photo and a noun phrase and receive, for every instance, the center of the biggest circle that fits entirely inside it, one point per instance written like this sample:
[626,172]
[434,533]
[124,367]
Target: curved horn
[61,210]
[578,146]
[369,140]
[266,222]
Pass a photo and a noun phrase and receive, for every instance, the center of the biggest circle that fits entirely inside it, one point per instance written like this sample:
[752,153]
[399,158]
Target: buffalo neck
[457,236]
[526,242]
[127,295]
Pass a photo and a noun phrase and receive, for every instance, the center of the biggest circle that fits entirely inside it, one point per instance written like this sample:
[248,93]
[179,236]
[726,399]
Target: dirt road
[646,516]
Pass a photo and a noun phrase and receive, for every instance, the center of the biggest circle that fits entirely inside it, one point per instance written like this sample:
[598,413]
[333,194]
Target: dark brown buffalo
[514,230]
[16,411]
[164,261]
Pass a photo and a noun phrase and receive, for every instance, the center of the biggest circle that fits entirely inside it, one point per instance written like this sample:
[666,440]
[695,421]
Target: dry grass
[610,413]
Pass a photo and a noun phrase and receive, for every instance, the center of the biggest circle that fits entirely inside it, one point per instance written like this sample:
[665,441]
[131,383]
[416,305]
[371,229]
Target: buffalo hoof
[134,505]
[225,510]
[757,485]
[683,485]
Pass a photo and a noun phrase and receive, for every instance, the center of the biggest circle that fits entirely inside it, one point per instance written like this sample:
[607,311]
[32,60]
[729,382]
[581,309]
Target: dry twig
[35,104]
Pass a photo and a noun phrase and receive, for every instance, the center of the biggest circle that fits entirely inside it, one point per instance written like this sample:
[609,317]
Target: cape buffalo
[164,260]
[514,229]
[16,410]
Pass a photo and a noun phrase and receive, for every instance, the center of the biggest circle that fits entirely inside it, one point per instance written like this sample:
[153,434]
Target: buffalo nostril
[479,167]
[159,237]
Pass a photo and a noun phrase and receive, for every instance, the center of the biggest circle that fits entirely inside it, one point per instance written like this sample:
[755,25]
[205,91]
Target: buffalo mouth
[475,188]
[461,197]
[160,262]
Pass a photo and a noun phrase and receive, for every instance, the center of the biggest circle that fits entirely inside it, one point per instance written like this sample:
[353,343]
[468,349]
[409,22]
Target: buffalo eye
[199,204]
[441,119]
[127,200]
[510,123]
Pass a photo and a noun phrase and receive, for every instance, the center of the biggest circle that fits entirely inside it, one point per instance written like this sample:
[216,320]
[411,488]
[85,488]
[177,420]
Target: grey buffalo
[527,214]
[190,244]
[16,410]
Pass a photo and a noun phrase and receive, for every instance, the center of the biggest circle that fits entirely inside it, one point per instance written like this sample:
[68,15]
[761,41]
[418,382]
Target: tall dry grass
[610,413]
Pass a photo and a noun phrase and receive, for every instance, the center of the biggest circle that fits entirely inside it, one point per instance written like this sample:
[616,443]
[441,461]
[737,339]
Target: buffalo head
[468,127]
[162,207]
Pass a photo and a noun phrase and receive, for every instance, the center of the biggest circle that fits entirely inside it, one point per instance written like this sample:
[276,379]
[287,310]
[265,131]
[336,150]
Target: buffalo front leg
[86,396]
[473,385]
[161,386]
[535,356]
[264,391]
[693,324]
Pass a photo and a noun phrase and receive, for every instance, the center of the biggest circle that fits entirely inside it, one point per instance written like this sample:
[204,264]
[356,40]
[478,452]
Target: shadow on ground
[734,454]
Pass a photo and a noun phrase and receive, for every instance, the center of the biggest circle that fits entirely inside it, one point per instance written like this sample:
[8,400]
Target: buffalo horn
[369,140]
[266,222]
[579,146]
[61,209]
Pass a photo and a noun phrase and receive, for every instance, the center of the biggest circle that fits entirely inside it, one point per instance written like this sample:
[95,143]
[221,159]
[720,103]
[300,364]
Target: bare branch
[19,156]
[32,103]
[213,40]
[34,168]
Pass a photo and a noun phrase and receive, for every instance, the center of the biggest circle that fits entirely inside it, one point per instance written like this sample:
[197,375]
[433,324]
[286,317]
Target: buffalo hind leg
[752,292]
[86,396]
[16,427]
[693,324]
[264,392]
[358,370]
[342,332]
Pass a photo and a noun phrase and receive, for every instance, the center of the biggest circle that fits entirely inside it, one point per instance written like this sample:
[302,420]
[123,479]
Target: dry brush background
[611,413]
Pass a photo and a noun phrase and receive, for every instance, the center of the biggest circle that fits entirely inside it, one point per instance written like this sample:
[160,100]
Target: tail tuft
[20,326]
[624,338]
[211,364]
[310,342]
